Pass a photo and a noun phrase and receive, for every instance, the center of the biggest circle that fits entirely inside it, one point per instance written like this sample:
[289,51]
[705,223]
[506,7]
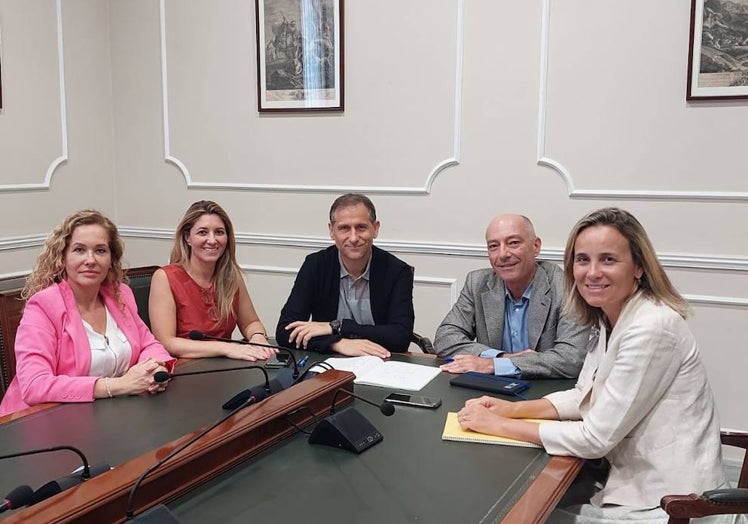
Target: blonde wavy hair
[49,267]
[226,275]
[654,282]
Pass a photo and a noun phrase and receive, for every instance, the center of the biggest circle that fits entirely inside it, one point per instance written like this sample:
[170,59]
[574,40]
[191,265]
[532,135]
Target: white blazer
[645,404]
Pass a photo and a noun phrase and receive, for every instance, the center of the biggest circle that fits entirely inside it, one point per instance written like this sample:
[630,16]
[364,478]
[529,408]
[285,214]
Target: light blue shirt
[515,336]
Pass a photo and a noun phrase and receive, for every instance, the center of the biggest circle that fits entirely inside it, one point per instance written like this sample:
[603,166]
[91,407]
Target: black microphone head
[237,400]
[161,376]
[196,335]
[257,393]
[387,408]
[20,496]
[50,489]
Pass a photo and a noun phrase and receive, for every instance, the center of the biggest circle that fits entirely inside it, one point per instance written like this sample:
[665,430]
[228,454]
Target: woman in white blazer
[642,400]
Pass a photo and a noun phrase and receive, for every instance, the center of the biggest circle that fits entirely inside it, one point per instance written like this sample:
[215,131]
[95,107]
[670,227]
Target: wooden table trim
[247,433]
[537,502]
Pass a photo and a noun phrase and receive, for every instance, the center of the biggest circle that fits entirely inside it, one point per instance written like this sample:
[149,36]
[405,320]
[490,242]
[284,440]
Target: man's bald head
[512,248]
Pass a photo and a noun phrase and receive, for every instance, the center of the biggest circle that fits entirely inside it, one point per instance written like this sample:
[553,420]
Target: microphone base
[348,430]
[159,514]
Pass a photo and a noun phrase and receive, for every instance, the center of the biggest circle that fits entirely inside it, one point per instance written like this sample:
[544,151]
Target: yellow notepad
[453,431]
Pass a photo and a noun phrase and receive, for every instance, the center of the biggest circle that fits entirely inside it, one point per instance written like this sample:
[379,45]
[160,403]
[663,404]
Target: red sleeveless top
[196,306]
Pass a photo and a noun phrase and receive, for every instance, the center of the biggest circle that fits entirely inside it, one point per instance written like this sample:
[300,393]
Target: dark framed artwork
[718,50]
[299,55]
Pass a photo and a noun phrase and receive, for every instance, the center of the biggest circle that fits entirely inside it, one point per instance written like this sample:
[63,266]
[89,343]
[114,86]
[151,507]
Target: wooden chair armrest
[737,438]
[715,502]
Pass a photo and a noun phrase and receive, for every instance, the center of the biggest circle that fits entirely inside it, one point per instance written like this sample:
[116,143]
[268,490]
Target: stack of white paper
[373,371]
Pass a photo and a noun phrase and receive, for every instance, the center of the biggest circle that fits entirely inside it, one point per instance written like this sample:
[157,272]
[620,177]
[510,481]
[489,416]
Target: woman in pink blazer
[642,401]
[80,337]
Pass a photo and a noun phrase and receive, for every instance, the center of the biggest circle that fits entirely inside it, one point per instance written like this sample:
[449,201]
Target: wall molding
[411,248]
[441,166]
[44,186]
[711,300]
[21,242]
[603,194]
[396,246]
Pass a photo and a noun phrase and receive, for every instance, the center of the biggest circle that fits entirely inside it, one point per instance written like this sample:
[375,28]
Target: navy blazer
[316,293]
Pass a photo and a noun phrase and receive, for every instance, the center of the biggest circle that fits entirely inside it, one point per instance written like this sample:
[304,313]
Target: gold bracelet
[106,385]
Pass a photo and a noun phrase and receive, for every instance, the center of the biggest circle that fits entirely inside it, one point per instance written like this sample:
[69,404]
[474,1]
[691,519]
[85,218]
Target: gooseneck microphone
[163,376]
[386,408]
[257,393]
[160,511]
[199,335]
[251,396]
[50,489]
[68,481]
[349,429]
[86,473]
[18,497]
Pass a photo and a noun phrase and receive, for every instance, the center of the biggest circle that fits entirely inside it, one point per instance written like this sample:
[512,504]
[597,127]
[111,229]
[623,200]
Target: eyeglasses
[208,297]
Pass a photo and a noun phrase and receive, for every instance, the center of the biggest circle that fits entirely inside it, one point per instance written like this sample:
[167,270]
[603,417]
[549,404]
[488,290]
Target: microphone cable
[131,498]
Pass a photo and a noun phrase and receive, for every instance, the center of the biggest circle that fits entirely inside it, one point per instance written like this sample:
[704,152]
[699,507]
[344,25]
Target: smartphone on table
[279,360]
[413,400]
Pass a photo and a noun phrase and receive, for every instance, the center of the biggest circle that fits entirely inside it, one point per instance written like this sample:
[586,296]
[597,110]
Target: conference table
[411,476]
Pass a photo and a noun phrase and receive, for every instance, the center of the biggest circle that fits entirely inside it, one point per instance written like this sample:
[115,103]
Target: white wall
[454,111]
[55,136]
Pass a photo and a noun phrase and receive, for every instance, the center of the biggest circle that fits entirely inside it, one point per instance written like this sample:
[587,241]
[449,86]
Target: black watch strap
[335,326]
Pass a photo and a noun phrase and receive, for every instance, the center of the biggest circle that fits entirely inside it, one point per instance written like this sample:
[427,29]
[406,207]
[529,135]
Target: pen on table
[302,362]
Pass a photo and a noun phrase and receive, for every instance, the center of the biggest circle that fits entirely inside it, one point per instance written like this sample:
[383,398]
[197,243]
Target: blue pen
[448,359]
[302,362]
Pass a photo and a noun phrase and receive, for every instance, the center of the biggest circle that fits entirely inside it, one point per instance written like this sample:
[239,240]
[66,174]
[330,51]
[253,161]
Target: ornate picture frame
[299,55]
[717,56]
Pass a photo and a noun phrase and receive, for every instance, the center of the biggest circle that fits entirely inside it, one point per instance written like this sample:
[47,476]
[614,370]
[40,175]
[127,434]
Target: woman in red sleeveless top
[202,289]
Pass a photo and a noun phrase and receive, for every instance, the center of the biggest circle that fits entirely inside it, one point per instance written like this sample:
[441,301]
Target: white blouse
[111,352]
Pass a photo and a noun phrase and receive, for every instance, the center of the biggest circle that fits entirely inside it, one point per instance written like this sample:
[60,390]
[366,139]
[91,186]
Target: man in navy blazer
[508,319]
[351,298]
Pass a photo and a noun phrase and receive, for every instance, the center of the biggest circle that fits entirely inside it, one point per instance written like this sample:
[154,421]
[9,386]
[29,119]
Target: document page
[373,371]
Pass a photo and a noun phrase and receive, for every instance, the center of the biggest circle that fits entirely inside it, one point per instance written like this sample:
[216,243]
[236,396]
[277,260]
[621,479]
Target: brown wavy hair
[654,282]
[49,267]
[226,275]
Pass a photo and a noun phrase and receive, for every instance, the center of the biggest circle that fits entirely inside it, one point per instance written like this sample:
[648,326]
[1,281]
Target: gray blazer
[476,323]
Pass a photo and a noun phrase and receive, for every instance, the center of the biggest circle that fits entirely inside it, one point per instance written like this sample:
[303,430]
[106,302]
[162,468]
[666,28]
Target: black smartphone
[279,360]
[413,400]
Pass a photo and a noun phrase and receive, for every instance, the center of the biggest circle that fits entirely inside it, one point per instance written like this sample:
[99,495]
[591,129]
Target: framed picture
[717,53]
[299,55]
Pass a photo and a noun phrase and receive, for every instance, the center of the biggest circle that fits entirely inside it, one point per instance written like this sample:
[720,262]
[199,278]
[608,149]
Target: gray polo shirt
[354,301]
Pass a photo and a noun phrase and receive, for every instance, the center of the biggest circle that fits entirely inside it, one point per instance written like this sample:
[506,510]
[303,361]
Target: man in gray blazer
[508,319]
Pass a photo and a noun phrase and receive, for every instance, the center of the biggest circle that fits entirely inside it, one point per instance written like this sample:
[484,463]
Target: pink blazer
[53,356]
